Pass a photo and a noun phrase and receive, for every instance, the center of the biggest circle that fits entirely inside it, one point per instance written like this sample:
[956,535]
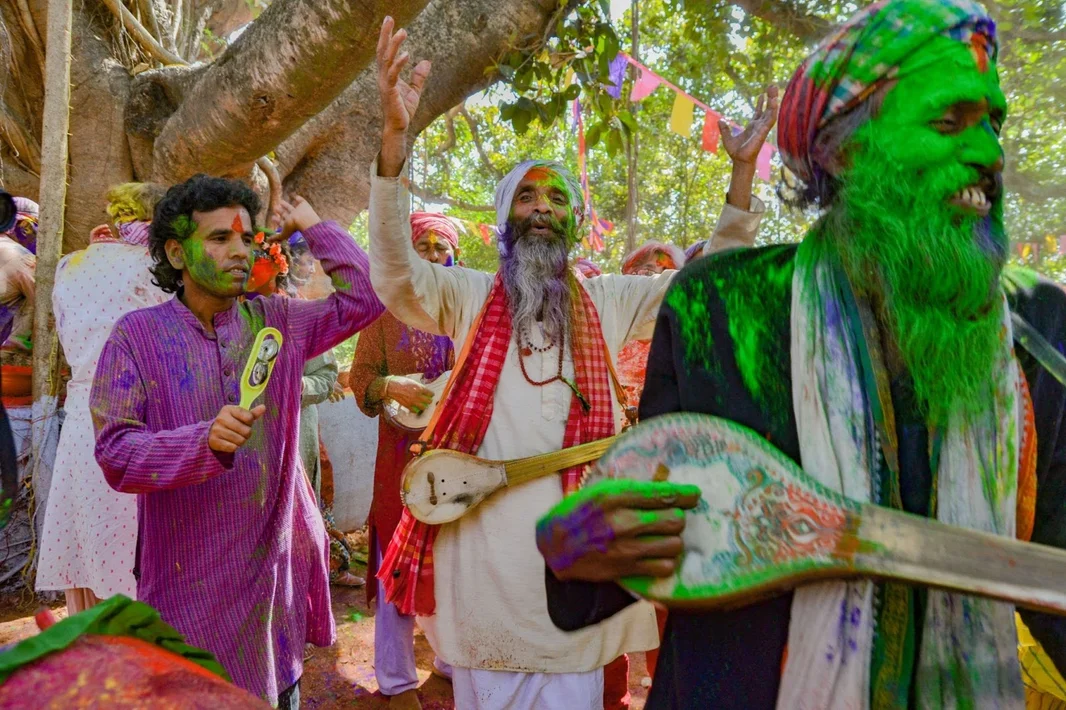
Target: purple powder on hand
[564,540]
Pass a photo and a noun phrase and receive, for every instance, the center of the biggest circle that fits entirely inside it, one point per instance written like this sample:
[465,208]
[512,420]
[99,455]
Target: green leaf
[628,120]
[572,92]
[521,120]
[614,142]
[592,136]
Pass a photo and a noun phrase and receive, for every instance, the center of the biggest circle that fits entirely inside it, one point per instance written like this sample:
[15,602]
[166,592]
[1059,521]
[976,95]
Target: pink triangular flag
[643,87]
[762,164]
[711,133]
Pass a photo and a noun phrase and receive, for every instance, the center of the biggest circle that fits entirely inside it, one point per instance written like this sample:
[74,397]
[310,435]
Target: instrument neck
[533,467]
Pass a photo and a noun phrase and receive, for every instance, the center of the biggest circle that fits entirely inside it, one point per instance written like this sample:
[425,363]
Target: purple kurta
[231,547]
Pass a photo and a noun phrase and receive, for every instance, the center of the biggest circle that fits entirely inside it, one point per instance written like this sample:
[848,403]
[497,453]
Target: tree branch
[141,36]
[449,127]
[477,143]
[429,196]
[462,40]
[274,180]
[151,22]
[288,66]
[782,13]
[29,28]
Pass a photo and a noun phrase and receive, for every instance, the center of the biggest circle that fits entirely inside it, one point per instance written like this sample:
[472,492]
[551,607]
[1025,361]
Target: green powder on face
[202,268]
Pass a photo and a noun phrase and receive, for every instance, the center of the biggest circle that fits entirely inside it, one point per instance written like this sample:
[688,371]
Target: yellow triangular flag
[569,78]
[681,116]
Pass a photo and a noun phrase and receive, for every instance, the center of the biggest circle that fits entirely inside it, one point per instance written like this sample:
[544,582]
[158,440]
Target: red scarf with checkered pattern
[406,572]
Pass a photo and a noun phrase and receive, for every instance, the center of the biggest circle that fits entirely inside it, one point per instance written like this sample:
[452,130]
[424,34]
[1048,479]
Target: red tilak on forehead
[238,224]
[539,173]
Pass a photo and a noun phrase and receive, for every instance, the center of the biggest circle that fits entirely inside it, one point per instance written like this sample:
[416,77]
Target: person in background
[586,268]
[388,351]
[24,231]
[231,546]
[90,530]
[274,272]
[18,268]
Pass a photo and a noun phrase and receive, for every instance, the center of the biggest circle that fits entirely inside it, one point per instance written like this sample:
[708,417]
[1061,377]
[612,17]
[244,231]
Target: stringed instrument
[403,418]
[762,526]
[441,485]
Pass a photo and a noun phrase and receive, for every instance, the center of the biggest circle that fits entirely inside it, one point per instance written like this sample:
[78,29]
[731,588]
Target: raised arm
[739,222]
[320,374]
[422,295]
[321,324]
[134,459]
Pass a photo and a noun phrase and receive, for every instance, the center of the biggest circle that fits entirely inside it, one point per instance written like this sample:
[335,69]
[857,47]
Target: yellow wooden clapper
[260,364]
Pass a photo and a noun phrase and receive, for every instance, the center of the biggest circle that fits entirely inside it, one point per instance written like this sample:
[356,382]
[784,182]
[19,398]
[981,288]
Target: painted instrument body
[403,418]
[763,526]
[441,486]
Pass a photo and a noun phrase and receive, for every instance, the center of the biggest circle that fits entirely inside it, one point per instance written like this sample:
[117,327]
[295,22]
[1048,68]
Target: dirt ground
[341,676]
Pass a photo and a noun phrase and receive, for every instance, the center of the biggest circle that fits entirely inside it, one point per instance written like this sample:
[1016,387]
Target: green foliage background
[723,55]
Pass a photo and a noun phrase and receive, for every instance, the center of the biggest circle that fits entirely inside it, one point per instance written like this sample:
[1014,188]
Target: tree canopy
[723,54]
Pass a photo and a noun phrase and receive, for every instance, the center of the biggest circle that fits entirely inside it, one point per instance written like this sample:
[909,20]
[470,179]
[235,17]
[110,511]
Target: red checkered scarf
[406,572]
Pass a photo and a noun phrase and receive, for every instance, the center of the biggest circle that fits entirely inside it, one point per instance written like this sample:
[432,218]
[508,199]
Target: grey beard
[535,277]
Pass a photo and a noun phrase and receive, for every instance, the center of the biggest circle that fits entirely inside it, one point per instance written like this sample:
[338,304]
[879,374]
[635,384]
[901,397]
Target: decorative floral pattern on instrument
[775,523]
[760,518]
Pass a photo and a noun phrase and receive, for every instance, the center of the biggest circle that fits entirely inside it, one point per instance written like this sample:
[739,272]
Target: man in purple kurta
[231,547]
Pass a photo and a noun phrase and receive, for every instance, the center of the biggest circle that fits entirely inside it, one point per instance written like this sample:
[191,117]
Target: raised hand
[297,216]
[744,147]
[399,99]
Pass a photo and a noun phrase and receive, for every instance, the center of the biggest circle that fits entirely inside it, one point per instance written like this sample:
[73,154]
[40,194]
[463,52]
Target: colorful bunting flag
[647,83]
[762,164]
[681,116]
[617,76]
[486,233]
[711,132]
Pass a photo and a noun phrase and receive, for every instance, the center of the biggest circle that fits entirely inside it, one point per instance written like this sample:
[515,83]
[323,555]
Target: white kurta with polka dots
[90,531]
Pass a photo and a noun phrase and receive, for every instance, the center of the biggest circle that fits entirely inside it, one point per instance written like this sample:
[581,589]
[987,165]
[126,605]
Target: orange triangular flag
[711,134]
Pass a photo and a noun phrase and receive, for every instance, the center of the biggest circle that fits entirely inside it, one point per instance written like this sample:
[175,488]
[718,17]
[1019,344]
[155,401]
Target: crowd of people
[877,351]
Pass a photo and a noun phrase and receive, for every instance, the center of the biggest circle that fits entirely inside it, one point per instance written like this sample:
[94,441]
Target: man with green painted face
[878,353]
[231,548]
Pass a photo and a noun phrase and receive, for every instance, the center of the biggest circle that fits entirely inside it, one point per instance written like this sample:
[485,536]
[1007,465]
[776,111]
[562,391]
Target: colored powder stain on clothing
[340,283]
[756,305]
[689,303]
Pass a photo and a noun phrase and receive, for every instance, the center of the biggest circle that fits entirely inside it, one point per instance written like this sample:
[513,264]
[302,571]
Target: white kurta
[491,606]
[90,530]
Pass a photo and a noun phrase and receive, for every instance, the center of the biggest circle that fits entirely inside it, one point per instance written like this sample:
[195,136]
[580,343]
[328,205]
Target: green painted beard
[934,269]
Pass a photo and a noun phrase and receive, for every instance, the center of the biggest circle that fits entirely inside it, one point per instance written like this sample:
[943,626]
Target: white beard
[538,288]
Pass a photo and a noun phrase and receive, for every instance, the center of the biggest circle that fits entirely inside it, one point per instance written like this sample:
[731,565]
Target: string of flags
[682,116]
[683,112]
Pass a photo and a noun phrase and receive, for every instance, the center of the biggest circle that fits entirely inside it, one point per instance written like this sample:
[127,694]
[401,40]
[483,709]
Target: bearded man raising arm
[536,380]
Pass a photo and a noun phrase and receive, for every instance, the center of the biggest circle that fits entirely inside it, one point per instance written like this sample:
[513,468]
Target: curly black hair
[173,218]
